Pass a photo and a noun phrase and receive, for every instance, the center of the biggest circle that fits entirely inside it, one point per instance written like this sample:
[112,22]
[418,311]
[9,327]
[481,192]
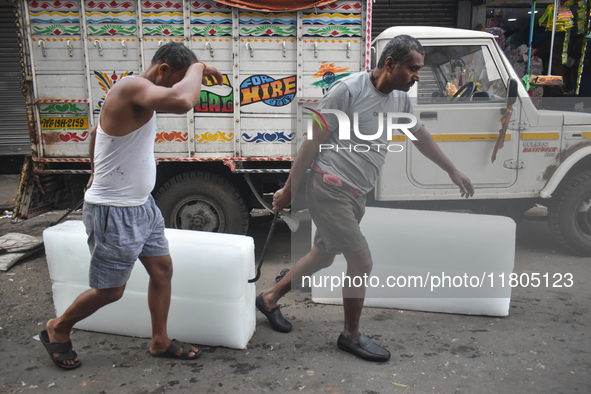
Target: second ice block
[430,261]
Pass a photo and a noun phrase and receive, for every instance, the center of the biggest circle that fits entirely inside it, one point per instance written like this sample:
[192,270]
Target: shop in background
[561,53]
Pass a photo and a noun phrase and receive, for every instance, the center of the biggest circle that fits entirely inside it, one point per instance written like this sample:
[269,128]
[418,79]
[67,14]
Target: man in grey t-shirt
[357,161]
[340,179]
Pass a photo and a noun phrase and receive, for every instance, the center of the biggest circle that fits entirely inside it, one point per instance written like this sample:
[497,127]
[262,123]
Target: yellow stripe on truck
[540,136]
[457,137]
[468,137]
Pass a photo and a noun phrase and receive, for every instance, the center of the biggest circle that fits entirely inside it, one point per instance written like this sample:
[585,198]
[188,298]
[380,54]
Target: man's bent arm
[427,146]
[179,98]
[302,162]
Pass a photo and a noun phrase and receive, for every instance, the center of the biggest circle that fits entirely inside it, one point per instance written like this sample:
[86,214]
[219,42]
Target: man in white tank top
[121,219]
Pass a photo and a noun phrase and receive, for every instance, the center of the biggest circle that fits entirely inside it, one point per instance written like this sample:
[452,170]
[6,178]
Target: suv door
[460,99]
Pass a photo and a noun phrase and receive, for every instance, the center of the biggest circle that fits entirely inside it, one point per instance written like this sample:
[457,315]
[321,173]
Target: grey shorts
[117,236]
[336,213]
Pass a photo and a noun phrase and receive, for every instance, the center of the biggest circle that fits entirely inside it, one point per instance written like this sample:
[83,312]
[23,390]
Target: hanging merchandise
[580,70]
[583,47]
[564,20]
[581,19]
[564,56]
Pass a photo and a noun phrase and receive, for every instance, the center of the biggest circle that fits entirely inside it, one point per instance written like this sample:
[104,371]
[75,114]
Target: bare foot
[55,336]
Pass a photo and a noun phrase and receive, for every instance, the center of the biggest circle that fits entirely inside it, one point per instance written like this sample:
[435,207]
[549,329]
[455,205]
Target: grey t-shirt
[356,161]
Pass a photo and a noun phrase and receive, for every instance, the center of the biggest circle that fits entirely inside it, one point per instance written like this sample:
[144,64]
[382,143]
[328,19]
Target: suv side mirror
[512,91]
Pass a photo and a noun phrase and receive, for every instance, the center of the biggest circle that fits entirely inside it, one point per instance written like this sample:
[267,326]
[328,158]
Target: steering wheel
[465,91]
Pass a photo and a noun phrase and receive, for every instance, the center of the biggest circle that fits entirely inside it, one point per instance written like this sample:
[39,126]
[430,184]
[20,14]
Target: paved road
[543,346]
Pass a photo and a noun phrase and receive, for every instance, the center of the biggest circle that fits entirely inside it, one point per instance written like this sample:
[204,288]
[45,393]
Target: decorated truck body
[75,50]
[235,148]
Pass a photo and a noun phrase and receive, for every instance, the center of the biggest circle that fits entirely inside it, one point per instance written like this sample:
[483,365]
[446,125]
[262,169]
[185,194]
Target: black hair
[400,48]
[176,55]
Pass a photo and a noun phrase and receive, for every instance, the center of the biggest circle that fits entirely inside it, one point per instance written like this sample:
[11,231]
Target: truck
[227,156]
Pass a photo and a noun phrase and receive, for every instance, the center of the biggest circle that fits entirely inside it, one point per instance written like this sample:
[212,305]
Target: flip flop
[65,348]
[173,349]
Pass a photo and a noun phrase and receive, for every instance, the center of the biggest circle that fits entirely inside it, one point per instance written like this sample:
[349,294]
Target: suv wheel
[569,216]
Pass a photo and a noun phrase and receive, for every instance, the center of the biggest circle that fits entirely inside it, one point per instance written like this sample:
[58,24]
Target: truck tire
[569,215]
[202,201]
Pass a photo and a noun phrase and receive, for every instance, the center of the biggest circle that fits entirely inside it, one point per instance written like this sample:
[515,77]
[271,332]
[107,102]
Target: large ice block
[212,302]
[430,261]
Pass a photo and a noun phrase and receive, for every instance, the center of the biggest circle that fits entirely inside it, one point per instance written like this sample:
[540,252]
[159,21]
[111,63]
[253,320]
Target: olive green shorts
[336,212]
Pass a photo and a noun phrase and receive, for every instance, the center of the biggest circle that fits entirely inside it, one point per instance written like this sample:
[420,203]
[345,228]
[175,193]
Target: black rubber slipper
[173,349]
[65,348]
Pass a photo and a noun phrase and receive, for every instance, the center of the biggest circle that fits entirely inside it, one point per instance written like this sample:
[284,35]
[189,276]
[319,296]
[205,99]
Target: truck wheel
[202,201]
[569,216]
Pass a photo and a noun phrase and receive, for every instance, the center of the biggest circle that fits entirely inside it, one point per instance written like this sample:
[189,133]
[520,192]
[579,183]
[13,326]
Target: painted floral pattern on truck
[218,136]
[106,82]
[173,136]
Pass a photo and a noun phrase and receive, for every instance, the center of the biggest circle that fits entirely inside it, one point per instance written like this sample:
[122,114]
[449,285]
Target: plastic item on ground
[6,215]
[212,302]
[15,246]
[430,261]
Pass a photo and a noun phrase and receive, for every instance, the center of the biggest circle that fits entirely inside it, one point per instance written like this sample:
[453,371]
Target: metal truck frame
[276,65]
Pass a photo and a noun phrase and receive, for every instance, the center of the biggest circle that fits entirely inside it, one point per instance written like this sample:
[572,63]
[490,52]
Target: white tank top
[124,167]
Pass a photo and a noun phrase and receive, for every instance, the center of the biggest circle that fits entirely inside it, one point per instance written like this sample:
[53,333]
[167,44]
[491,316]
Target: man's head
[173,60]
[402,58]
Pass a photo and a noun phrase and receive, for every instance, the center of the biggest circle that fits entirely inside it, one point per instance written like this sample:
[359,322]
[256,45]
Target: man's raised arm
[177,99]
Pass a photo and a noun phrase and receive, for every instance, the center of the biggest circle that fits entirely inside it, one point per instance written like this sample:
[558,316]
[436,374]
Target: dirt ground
[543,346]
